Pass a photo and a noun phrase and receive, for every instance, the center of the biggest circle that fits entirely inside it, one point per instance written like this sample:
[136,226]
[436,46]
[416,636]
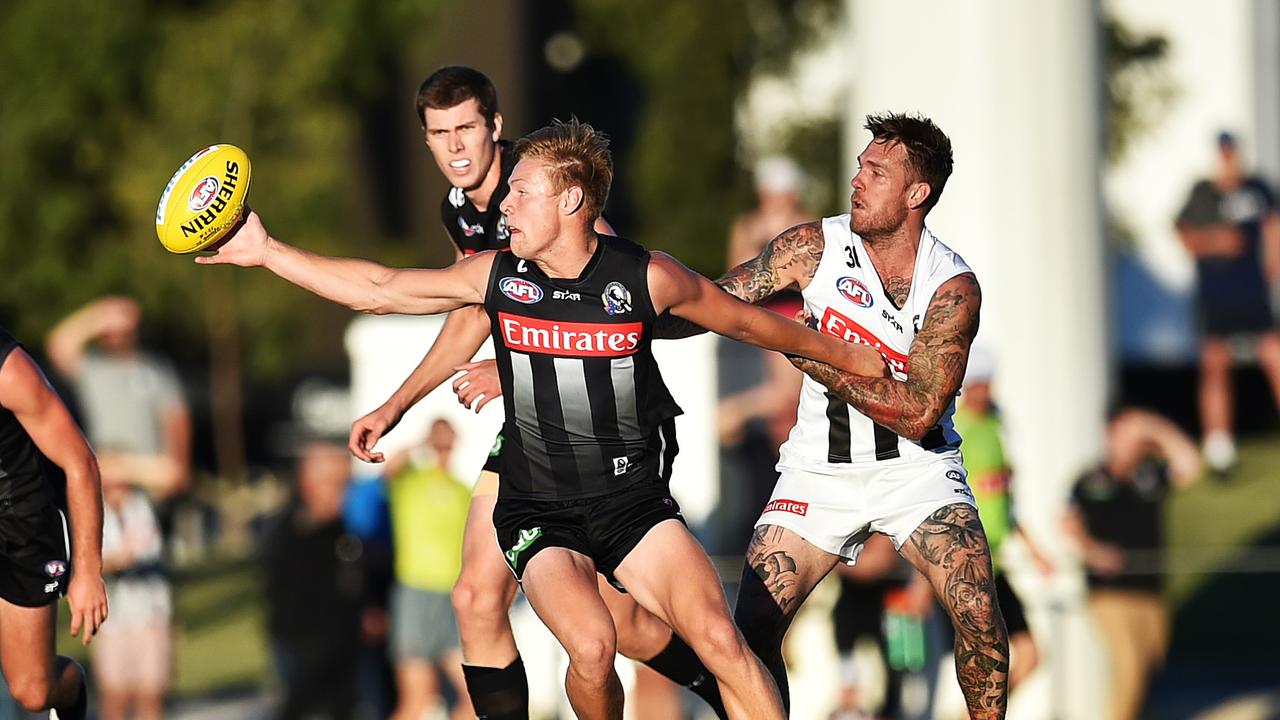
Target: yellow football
[204,199]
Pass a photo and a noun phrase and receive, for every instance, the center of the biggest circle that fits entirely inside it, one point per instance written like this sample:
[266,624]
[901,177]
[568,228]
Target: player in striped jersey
[457,107]
[875,454]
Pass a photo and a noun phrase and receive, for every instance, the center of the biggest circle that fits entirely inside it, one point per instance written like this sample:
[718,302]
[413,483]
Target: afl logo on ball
[854,291]
[203,193]
[55,568]
[520,290]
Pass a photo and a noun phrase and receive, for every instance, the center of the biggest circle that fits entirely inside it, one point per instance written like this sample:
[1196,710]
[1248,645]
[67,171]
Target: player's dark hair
[575,154]
[455,84]
[928,148]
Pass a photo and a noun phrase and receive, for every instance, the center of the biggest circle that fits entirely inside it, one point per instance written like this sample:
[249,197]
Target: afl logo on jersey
[520,290]
[854,291]
[55,568]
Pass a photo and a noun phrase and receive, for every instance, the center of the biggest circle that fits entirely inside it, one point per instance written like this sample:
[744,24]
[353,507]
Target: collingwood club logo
[527,538]
[617,299]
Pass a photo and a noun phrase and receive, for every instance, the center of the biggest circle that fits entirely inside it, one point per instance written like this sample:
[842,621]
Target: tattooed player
[874,454]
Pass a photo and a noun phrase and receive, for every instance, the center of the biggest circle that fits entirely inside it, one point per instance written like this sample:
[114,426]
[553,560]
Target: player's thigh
[483,567]
[560,585]
[950,549]
[782,568]
[26,643]
[669,574]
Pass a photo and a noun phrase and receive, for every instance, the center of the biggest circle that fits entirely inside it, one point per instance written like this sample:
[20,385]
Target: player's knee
[477,603]
[718,639]
[591,657]
[641,635]
[32,693]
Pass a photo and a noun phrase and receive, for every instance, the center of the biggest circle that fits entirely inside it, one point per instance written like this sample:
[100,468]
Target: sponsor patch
[616,298]
[841,326]
[955,475]
[50,587]
[854,291]
[55,568]
[520,290]
[795,507]
[565,295]
[570,339]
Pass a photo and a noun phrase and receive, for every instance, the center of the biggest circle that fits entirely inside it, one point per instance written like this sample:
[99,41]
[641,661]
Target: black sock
[498,693]
[678,663]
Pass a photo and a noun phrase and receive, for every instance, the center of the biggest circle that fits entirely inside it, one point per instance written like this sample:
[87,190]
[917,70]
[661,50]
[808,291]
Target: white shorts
[836,511]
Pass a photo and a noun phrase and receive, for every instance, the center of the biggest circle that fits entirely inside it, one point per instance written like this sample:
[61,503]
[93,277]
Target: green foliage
[102,101]
[1139,88]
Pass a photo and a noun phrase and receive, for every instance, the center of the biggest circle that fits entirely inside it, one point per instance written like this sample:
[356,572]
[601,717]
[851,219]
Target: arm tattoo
[936,366]
[952,540]
[792,255]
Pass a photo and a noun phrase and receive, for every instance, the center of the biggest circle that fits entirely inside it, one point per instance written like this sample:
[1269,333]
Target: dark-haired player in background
[45,463]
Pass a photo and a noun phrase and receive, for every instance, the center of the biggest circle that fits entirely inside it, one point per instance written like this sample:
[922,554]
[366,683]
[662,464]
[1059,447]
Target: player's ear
[917,194]
[497,126]
[571,199]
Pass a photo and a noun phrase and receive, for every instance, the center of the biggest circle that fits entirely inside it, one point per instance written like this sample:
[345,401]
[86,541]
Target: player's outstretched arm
[358,284]
[936,363]
[463,334]
[788,261]
[690,296]
[25,392]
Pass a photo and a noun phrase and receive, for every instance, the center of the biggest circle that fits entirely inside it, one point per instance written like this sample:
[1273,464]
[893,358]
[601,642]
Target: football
[204,199]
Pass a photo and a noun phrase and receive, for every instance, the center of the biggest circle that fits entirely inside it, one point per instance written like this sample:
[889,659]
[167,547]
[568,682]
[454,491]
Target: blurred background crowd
[1113,191]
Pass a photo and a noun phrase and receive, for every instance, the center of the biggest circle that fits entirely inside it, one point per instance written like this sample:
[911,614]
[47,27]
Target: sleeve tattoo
[936,364]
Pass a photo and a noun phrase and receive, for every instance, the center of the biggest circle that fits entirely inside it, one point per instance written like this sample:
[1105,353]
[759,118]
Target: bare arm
[788,261]
[67,341]
[936,363]
[358,284]
[690,296]
[1149,432]
[25,391]
[1271,246]
[464,332]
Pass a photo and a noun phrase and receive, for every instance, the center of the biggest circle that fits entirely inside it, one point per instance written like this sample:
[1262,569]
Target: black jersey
[583,395]
[25,472]
[474,231]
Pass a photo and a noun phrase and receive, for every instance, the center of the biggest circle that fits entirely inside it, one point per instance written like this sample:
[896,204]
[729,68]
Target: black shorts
[605,528]
[34,551]
[1015,620]
[493,463]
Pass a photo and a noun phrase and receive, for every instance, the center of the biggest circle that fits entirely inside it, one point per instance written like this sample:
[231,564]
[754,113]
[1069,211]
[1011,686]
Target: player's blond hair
[574,154]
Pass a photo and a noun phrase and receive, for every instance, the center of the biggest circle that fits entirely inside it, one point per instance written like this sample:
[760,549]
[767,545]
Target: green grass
[219,635]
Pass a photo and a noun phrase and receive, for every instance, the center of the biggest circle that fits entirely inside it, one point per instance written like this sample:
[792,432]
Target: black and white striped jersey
[471,230]
[24,470]
[847,298]
[583,395]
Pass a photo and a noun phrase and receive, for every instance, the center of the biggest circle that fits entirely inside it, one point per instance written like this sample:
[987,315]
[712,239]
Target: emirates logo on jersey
[854,291]
[838,325]
[569,339]
[795,507]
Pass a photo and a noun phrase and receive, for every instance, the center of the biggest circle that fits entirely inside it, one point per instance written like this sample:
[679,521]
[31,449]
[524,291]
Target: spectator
[978,422]
[1232,229]
[137,420]
[1116,524]
[779,182]
[428,514]
[314,594]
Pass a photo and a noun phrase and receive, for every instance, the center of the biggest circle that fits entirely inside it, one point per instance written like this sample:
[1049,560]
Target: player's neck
[894,252]
[483,193]
[568,256]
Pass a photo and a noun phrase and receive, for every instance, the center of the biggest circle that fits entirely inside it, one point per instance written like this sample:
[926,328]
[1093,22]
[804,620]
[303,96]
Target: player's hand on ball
[368,430]
[245,246]
[478,384]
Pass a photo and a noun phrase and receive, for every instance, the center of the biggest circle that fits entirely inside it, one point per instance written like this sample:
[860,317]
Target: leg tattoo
[952,539]
[768,598]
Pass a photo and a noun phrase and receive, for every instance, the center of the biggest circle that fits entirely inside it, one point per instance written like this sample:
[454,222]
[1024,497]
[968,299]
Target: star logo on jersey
[520,290]
[617,298]
[55,568]
[470,230]
[854,291]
